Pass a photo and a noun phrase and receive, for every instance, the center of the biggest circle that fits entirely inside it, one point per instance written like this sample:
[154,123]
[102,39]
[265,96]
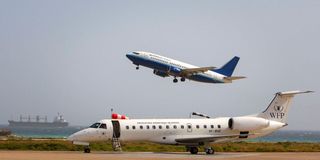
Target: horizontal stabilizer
[293,92]
[234,78]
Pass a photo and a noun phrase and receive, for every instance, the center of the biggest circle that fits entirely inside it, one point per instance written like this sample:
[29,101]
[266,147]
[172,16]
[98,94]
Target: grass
[62,145]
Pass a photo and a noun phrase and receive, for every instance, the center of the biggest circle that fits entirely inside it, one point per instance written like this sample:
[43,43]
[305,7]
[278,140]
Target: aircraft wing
[190,71]
[200,139]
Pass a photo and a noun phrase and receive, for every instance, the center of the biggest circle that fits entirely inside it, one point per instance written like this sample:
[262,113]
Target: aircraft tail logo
[279,106]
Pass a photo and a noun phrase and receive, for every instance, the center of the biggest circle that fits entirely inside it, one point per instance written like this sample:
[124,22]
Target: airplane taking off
[165,67]
[189,132]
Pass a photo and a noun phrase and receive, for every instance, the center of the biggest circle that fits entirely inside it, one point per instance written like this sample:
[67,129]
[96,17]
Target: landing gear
[137,67]
[209,150]
[175,80]
[183,79]
[86,149]
[193,150]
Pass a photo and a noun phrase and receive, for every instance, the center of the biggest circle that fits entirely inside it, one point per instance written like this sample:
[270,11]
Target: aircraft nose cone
[128,55]
[71,137]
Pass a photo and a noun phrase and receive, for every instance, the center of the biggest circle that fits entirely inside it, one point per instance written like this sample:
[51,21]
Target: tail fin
[229,67]
[279,106]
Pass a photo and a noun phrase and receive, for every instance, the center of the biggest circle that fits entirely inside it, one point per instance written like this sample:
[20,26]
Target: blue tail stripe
[229,67]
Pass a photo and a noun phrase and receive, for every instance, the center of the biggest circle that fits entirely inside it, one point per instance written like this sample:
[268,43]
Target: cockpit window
[135,53]
[95,125]
[103,125]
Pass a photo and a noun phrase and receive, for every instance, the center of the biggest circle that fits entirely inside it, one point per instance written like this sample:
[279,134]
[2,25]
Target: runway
[69,155]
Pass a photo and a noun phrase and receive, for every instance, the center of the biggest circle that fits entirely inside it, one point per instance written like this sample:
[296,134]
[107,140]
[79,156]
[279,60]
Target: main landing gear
[86,149]
[182,79]
[175,80]
[194,150]
[137,67]
[209,150]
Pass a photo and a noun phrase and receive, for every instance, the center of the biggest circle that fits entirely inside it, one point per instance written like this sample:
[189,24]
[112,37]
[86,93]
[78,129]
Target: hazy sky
[69,57]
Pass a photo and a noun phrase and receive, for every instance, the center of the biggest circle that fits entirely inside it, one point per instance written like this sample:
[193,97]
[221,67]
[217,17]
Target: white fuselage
[167,131]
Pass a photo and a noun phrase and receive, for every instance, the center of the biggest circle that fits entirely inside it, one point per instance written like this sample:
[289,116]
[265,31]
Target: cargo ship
[39,122]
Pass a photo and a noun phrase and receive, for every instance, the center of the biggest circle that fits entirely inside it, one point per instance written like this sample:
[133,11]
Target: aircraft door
[189,127]
[116,129]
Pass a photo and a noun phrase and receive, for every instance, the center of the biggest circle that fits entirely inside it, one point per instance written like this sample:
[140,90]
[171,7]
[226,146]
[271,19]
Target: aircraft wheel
[87,149]
[194,150]
[137,67]
[183,79]
[209,150]
[175,80]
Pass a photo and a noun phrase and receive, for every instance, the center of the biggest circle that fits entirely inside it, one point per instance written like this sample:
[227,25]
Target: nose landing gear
[137,67]
[86,149]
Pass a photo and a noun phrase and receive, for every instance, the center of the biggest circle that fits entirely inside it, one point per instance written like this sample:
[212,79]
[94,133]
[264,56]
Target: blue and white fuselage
[164,67]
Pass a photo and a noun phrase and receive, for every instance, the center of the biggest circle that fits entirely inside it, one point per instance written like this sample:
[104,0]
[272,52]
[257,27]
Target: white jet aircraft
[165,67]
[193,132]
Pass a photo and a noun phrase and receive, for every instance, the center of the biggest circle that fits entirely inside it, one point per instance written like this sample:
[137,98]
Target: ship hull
[38,124]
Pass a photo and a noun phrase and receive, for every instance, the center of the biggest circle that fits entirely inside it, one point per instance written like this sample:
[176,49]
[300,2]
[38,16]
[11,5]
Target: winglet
[229,67]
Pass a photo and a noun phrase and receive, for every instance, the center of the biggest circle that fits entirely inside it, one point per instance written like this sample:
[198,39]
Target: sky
[69,57]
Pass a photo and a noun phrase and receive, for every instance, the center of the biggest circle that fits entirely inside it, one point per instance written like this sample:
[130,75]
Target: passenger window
[182,126]
[204,126]
[141,127]
[174,126]
[103,125]
[133,127]
[219,126]
[160,127]
[189,126]
[153,127]
[197,126]
[167,126]
[127,127]
[95,125]
[212,126]
[148,127]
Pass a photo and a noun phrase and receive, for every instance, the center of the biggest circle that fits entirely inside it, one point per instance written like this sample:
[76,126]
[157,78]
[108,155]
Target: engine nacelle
[247,123]
[160,73]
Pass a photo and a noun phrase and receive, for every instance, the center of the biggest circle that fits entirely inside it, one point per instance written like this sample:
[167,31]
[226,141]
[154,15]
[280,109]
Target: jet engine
[247,123]
[160,73]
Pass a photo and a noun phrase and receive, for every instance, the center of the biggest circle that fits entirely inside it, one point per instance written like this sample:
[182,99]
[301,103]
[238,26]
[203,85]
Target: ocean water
[44,132]
[278,136]
[290,136]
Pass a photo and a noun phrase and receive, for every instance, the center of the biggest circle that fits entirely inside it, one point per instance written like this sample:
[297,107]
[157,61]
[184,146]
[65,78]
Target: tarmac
[74,155]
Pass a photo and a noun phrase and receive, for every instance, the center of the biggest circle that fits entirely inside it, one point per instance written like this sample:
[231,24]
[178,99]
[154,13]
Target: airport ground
[76,155]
